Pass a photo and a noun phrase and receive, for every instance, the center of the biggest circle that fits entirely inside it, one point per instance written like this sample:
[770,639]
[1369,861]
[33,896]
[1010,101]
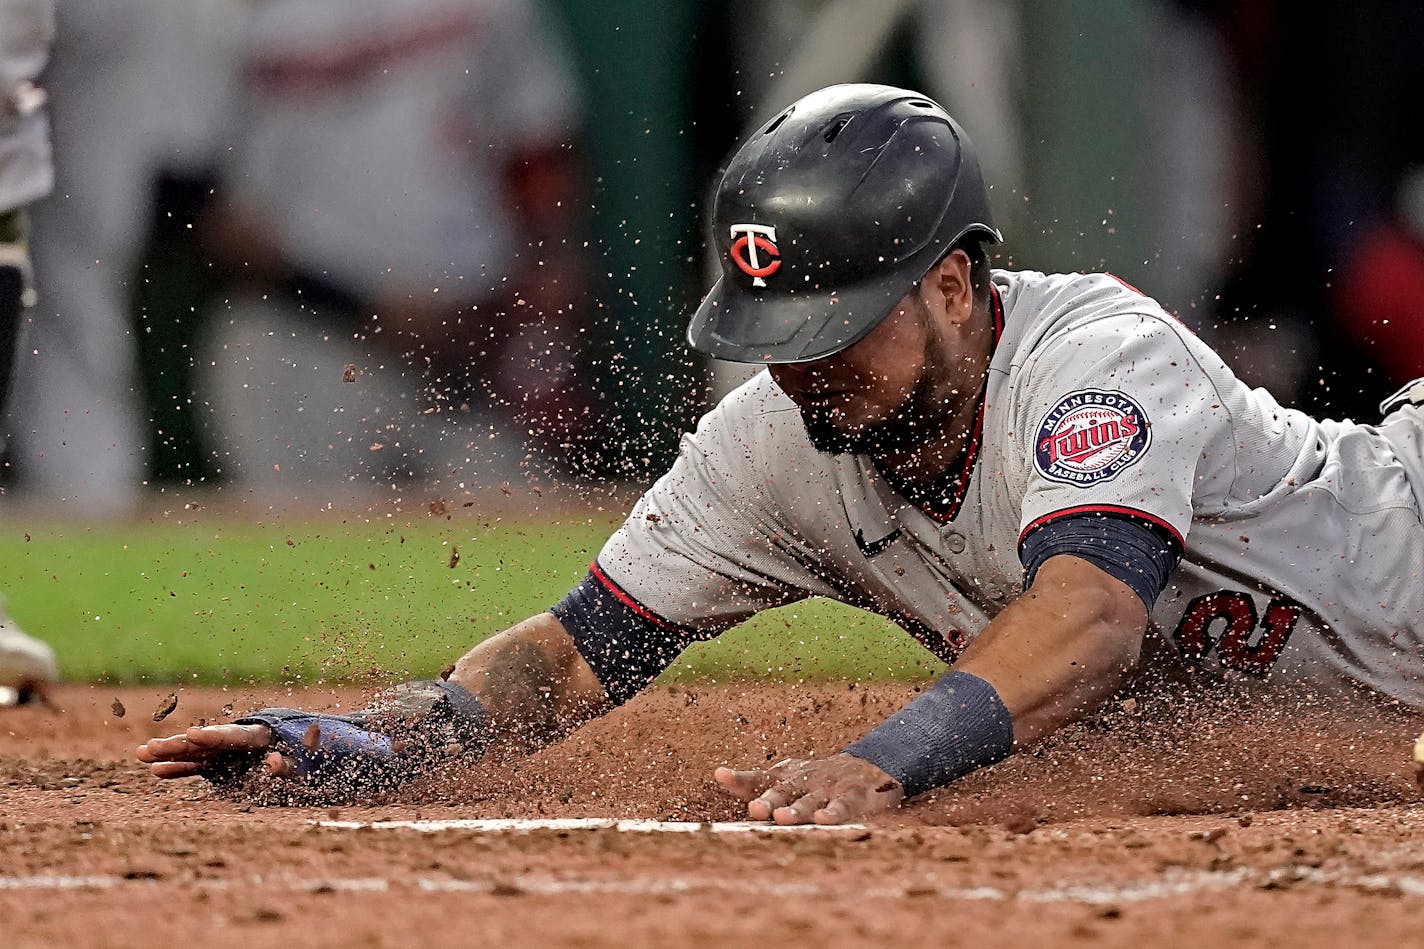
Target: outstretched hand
[204,746]
[835,790]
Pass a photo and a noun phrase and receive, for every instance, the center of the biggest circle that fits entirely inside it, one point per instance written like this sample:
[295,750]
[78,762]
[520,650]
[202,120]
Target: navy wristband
[955,726]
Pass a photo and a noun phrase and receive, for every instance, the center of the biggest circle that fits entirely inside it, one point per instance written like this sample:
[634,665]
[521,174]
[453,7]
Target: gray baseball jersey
[1303,546]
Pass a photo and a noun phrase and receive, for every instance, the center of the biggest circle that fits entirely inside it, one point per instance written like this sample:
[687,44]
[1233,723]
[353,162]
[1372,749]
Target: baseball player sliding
[1034,474]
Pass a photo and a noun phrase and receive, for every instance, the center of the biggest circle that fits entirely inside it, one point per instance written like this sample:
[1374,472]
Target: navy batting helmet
[829,215]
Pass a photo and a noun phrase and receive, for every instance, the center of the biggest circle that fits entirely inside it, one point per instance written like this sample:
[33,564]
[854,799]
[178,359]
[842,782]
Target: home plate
[507,825]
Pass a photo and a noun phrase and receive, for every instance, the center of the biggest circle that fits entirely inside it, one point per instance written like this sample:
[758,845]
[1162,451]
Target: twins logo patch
[1090,436]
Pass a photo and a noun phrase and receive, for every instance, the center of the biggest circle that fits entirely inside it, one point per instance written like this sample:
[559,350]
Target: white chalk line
[47,882]
[529,825]
[1172,883]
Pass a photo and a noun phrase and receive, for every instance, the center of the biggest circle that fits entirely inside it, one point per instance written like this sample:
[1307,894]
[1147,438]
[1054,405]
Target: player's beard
[906,427]
[825,437]
[903,428]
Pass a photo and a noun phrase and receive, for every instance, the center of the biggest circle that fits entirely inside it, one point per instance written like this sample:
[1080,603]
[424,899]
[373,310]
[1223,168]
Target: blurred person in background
[1320,152]
[403,199]
[27,666]
[1380,294]
[137,88]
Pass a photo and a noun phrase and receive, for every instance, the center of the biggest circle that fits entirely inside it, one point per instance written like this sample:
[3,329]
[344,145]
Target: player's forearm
[1061,648]
[531,682]
[1045,660]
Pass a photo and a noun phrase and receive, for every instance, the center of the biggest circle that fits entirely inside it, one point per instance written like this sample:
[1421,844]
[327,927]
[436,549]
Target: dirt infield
[1181,819]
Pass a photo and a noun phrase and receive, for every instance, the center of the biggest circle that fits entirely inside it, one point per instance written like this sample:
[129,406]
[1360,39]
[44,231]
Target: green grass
[216,601]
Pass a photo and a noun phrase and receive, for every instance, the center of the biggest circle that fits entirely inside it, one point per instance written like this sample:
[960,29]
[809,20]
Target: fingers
[801,810]
[837,811]
[279,765]
[173,748]
[204,747]
[230,737]
[203,743]
[200,747]
[276,765]
[175,769]
[775,798]
[767,791]
[745,785]
[833,790]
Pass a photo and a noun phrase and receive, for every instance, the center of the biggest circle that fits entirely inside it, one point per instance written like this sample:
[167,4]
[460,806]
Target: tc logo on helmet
[748,242]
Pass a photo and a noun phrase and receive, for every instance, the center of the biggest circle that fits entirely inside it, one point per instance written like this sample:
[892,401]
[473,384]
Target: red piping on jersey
[1175,318]
[1126,284]
[631,603]
[1103,509]
[971,454]
[317,70]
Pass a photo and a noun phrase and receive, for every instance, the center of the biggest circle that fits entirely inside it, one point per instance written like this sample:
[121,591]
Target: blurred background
[321,252]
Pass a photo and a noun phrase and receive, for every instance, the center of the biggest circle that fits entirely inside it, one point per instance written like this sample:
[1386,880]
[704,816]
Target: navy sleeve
[1138,552]
[626,644]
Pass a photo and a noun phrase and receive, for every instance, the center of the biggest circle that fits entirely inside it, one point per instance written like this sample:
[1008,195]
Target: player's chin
[832,433]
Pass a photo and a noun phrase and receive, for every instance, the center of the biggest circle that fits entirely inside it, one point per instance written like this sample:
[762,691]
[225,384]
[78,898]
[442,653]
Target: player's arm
[532,682]
[525,687]
[1060,649]
[519,690]
[1051,656]
[672,574]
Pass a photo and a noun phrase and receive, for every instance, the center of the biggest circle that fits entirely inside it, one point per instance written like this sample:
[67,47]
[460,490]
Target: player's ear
[954,286]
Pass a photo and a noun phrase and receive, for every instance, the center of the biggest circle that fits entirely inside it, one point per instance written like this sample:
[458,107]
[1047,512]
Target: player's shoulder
[1033,298]
[754,420]
[757,397]
[1042,310]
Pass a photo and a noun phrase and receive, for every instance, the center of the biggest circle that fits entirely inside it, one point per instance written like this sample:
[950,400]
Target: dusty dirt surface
[1168,820]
